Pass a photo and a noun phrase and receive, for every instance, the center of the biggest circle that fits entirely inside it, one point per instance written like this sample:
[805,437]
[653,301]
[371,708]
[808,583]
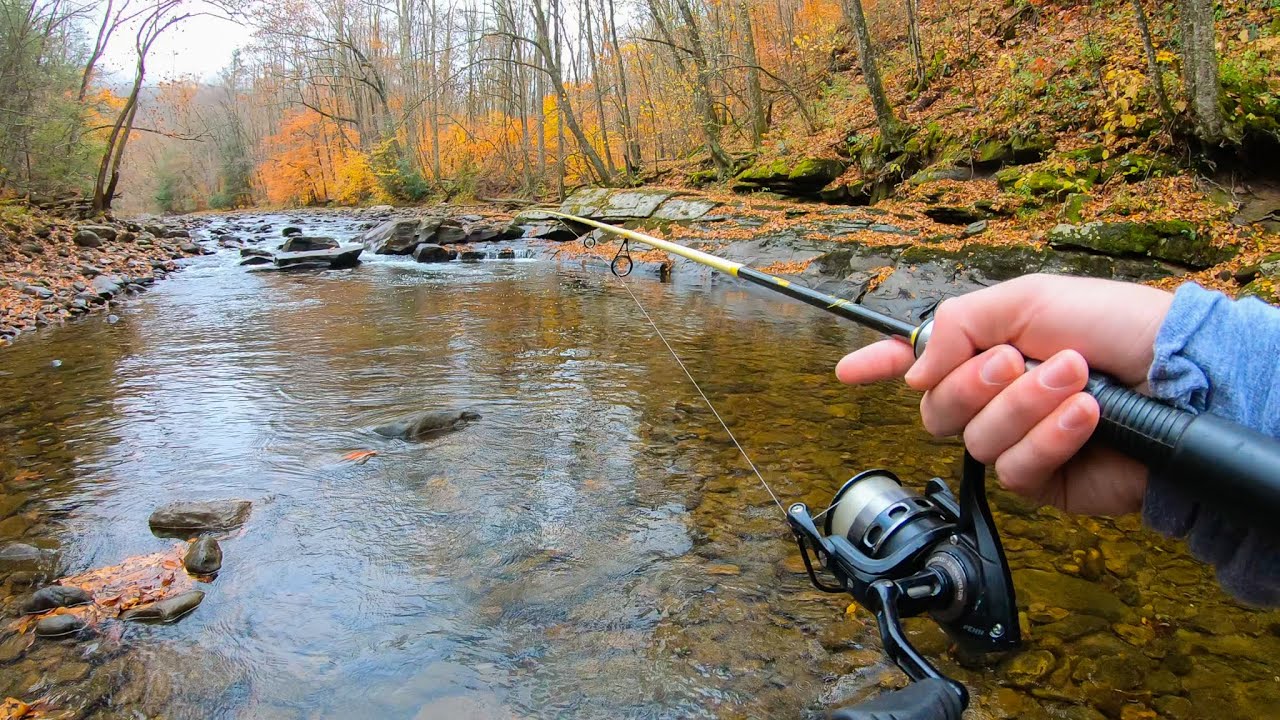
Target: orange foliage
[314,160]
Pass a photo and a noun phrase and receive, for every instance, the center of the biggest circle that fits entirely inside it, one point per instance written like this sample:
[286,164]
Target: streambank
[54,269]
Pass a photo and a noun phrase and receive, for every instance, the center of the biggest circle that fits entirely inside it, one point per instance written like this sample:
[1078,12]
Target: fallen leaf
[359,457]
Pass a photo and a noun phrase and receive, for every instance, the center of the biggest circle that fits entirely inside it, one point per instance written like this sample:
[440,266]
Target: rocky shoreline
[54,269]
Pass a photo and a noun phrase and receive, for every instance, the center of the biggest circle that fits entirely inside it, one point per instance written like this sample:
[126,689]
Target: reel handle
[1195,452]
[929,699]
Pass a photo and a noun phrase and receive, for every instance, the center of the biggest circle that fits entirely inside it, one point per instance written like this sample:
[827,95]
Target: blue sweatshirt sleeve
[1221,356]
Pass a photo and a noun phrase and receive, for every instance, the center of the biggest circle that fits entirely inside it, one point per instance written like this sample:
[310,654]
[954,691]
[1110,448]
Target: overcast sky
[199,46]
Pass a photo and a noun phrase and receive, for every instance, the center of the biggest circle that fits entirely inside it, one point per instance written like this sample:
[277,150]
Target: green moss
[1169,240]
[1073,207]
[814,169]
[1134,167]
[765,172]
[703,177]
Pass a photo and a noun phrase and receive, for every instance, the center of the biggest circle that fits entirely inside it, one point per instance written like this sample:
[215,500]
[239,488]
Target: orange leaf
[359,456]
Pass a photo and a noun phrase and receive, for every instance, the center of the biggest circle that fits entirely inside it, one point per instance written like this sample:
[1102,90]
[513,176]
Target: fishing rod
[901,554]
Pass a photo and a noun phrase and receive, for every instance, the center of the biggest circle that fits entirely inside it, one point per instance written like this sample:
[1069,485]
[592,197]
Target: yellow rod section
[718,263]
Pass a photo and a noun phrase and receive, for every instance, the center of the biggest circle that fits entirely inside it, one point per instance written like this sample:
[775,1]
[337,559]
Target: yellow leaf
[1128,120]
[1164,56]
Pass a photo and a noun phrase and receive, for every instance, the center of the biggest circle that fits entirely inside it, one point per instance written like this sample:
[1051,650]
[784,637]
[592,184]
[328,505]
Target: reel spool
[901,554]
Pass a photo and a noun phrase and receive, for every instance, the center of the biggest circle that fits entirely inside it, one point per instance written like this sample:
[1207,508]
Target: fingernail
[1000,370]
[1058,373]
[1074,418]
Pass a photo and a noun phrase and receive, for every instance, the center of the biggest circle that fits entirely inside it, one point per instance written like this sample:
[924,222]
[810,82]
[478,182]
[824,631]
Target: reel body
[901,554]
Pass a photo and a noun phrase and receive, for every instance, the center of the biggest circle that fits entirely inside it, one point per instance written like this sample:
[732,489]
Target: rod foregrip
[1222,464]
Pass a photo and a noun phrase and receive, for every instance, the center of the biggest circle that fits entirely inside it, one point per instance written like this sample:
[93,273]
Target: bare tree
[1153,67]
[890,128]
[159,18]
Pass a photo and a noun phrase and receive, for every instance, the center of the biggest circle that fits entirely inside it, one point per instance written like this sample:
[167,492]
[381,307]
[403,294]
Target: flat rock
[184,519]
[427,425]
[344,256]
[18,556]
[165,611]
[305,243]
[204,557]
[105,286]
[683,209]
[55,596]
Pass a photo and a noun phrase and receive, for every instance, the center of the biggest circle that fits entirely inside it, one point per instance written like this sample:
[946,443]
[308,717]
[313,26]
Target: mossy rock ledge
[805,177]
[1173,241]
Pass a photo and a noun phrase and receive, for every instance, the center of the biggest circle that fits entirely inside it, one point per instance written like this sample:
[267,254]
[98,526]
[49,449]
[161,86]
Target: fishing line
[705,399]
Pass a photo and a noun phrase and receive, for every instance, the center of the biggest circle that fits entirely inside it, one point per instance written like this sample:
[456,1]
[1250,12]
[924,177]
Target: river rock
[507,254]
[165,611]
[105,286]
[432,253]
[448,232]
[345,256]
[254,252]
[606,203]
[87,238]
[204,557]
[1057,590]
[427,425]
[483,234]
[304,243]
[19,556]
[43,293]
[56,626]
[1026,668]
[291,230]
[184,519]
[256,260]
[394,237]
[472,256]
[55,596]
[106,232]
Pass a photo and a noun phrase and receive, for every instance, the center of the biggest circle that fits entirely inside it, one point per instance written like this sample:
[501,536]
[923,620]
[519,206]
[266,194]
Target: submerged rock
[428,425]
[184,519]
[165,611]
[55,596]
[56,626]
[204,557]
[19,556]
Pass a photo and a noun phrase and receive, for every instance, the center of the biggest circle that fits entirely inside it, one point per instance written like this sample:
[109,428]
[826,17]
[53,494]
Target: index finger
[882,360]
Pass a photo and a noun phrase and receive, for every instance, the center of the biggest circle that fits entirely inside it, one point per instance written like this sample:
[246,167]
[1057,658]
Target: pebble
[113,319]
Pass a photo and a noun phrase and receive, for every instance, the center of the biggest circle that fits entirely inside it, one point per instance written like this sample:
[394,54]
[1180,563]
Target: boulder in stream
[184,519]
[344,256]
[204,557]
[165,611]
[432,253]
[304,243]
[55,596]
[425,426]
[473,256]
[396,237]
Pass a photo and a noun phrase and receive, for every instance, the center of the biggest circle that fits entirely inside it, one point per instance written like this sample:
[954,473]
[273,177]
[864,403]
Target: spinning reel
[900,554]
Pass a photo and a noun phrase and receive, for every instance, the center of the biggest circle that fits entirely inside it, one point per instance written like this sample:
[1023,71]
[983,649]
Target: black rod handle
[1223,464]
[928,699]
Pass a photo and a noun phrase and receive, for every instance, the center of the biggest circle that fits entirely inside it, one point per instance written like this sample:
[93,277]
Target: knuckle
[979,444]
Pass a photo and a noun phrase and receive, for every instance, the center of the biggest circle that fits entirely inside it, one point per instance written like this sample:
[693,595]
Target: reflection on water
[593,547]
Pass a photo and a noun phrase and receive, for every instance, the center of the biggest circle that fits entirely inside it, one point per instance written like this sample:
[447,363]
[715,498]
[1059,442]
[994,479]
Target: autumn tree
[1200,69]
[890,129]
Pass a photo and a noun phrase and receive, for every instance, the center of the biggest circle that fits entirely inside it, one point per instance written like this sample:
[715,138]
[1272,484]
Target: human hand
[1032,425]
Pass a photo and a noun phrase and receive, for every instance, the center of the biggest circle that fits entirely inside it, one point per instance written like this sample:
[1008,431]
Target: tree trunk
[1153,67]
[701,86]
[1200,69]
[755,96]
[551,63]
[913,42]
[890,130]
[630,137]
